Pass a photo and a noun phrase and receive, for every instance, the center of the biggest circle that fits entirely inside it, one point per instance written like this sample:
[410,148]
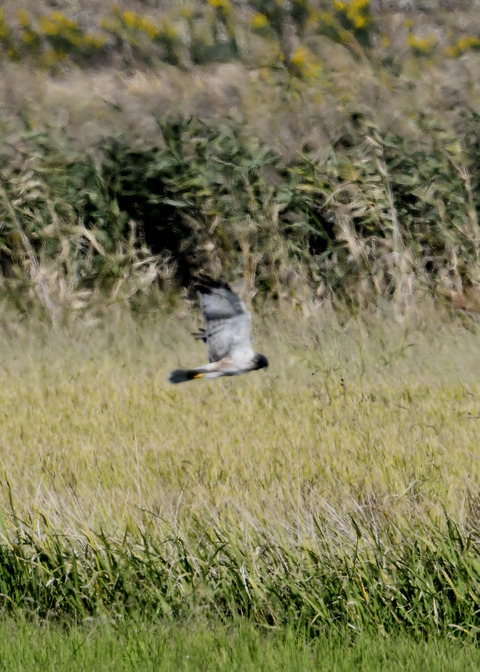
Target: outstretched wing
[227,321]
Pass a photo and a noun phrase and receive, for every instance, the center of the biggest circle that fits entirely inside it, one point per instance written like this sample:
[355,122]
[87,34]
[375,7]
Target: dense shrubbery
[381,216]
[358,208]
[206,32]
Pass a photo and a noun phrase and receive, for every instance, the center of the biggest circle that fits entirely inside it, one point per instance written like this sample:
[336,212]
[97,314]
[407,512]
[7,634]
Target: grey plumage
[227,334]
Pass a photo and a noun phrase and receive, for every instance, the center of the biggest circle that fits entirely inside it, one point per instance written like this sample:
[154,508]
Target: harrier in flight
[227,333]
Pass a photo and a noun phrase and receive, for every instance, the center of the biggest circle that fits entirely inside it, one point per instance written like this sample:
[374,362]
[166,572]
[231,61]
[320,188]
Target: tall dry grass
[339,488]
[344,414]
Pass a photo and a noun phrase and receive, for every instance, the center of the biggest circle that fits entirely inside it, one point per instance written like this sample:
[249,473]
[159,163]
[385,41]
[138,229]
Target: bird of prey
[227,334]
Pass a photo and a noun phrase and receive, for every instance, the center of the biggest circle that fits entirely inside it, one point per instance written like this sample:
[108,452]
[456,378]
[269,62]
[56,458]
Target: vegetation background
[324,157]
[322,151]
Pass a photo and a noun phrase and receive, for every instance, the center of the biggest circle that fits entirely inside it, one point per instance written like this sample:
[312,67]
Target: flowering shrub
[66,36]
[6,37]
[206,32]
[259,23]
[30,38]
[168,38]
[52,38]
[129,27]
[465,43]
[212,35]
[305,63]
[274,11]
[140,32]
[348,18]
[354,14]
[420,46]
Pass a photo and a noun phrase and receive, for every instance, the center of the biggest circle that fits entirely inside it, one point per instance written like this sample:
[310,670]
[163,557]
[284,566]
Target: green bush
[380,217]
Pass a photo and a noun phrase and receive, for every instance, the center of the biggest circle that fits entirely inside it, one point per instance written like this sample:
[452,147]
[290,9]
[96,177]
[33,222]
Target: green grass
[136,646]
[337,490]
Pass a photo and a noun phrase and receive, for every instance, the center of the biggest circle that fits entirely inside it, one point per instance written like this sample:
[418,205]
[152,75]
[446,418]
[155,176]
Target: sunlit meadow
[356,446]
[93,434]
[324,158]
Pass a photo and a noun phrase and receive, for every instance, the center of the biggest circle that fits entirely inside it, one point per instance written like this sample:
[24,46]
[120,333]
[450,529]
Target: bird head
[261,362]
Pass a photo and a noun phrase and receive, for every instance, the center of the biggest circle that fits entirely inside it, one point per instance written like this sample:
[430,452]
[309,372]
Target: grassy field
[338,491]
[99,647]
[381,408]
[324,156]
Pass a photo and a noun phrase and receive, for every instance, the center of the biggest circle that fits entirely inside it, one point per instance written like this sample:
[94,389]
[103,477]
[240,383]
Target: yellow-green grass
[93,433]
[358,447]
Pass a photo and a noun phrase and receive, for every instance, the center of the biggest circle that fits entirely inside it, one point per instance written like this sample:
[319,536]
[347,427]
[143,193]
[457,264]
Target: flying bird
[227,334]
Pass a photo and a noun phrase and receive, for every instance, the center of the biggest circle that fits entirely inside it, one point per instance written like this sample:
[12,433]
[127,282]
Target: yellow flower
[168,31]
[146,26]
[23,17]
[259,21]
[306,63]
[360,5]
[129,19]
[465,43]
[95,41]
[359,21]
[300,56]
[356,12]
[422,45]
[48,26]
[220,4]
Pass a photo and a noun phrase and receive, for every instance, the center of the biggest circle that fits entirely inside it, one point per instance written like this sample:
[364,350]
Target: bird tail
[182,375]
